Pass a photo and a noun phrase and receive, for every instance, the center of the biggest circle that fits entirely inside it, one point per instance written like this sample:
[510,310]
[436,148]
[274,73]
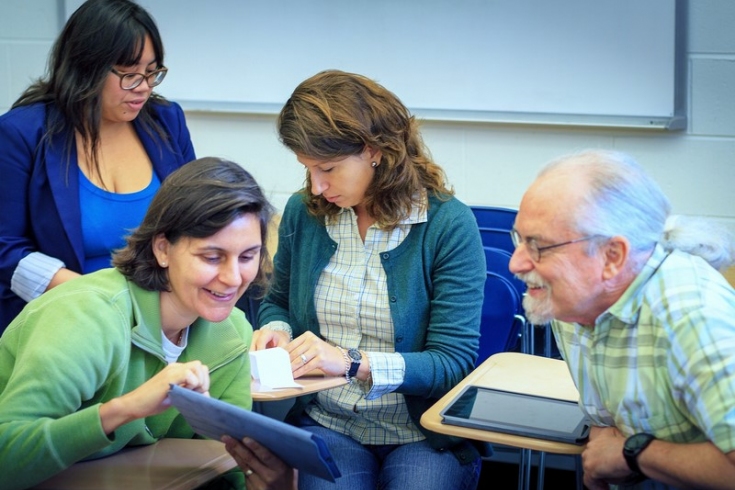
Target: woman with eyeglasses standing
[84,150]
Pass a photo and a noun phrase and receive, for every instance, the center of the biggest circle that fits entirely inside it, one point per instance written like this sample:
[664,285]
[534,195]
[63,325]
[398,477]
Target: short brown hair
[196,201]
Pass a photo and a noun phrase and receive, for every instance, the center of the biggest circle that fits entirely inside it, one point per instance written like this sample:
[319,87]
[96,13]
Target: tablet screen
[518,413]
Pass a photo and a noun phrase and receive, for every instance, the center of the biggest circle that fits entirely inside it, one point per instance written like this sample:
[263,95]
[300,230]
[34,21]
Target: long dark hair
[196,201]
[98,35]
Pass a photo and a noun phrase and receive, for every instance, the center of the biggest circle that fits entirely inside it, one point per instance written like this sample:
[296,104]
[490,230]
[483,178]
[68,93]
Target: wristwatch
[355,360]
[634,445]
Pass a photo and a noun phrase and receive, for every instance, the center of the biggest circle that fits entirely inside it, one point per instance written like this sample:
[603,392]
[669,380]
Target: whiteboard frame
[675,119]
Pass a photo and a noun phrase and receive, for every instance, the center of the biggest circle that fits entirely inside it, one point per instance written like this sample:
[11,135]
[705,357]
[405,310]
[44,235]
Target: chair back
[497,238]
[494,217]
[498,261]
[501,322]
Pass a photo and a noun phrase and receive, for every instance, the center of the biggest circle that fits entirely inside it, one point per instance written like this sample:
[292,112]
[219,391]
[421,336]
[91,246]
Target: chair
[498,261]
[501,321]
[497,238]
[494,217]
[495,224]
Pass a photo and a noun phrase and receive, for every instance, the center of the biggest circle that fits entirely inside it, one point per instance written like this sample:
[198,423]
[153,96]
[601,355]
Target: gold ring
[303,359]
[248,472]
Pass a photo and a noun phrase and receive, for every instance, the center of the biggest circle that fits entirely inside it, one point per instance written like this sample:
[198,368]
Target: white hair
[622,199]
[702,237]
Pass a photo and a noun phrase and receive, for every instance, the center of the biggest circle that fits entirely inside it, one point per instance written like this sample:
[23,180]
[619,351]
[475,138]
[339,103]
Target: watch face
[638,441]
[354,354]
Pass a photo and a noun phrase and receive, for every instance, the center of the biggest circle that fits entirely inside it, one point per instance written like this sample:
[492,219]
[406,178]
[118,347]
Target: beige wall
[489,164]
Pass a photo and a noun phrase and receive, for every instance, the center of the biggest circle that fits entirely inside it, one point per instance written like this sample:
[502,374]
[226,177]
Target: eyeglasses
[128,81]
[535,251]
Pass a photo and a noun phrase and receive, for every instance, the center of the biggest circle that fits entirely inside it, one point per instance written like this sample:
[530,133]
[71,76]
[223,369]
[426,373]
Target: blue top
[39,188]
[108,217]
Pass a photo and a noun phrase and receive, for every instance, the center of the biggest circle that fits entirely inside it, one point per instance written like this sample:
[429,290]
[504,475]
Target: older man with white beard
[647,330]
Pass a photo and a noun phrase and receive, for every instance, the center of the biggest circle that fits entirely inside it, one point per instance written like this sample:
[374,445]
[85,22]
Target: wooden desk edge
[199,476]
[432,420]
[310,385]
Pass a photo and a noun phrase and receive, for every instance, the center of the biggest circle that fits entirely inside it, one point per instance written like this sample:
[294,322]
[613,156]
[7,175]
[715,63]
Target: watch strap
[354,364]
[634,446]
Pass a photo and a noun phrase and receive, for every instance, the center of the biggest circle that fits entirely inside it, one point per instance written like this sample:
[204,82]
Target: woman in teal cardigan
[85,368]
[379,277]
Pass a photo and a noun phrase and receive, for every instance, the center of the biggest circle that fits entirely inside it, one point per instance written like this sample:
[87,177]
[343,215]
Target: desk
[170,464]
[310,384]
[521,373]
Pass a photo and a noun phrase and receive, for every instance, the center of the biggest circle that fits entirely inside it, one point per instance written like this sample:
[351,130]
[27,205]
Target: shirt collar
[419,210]
[627,308]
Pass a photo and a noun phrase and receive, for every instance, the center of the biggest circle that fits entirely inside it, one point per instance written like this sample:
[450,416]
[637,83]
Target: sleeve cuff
[33,275]
[387,370]
[279,326]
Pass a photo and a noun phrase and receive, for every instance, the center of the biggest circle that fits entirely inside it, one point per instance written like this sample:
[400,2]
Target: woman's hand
[263,469]
[151,397]
[308,352]
[265,339]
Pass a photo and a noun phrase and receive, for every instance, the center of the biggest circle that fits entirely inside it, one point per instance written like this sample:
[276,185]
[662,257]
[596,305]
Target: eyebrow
[212,248]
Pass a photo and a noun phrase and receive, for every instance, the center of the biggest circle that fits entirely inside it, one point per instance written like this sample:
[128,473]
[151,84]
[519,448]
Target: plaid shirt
[352,307]
[661,360]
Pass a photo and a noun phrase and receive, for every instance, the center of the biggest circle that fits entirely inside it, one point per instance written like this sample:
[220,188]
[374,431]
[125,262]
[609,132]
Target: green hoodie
[84,343]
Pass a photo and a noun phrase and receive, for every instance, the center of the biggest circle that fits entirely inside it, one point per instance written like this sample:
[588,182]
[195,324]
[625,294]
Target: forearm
[695,465]
[117,412]
[61,276]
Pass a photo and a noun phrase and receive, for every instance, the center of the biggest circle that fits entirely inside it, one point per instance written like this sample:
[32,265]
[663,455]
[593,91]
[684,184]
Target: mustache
[532,278]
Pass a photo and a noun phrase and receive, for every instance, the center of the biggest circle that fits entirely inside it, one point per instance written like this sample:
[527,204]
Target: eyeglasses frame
[533,247]
[145,77]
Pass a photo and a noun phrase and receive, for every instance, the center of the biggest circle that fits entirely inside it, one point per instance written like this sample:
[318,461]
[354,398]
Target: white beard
[538,311]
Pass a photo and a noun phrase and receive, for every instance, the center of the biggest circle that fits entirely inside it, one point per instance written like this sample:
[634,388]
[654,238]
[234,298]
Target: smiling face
[208,275]
[120,105]
[566,283]
[342,182]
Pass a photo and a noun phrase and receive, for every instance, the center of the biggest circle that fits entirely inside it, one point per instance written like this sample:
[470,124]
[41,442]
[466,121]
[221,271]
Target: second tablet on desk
[518,414]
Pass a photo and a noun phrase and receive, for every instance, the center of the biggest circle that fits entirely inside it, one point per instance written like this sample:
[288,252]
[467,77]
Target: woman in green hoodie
[85,369]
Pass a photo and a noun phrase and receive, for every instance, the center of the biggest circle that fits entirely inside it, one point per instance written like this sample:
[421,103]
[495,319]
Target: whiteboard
[606,62]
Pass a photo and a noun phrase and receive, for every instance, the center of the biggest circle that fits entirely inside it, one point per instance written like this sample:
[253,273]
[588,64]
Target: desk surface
[170,464]
[521,373]
[310,384]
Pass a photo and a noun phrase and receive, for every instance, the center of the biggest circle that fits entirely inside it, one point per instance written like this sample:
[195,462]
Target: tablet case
[518,414]
[214,418]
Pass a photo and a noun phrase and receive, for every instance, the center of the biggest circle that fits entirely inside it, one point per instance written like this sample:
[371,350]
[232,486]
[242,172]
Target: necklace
[178,339]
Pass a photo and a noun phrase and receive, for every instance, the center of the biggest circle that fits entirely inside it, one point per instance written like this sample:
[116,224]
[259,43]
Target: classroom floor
[504,476]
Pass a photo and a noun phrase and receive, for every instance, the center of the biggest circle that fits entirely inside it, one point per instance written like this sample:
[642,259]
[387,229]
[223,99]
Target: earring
[374,164]
[164,264]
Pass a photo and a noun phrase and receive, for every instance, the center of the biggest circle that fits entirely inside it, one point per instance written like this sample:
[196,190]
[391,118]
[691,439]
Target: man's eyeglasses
[128,81]
[535,251]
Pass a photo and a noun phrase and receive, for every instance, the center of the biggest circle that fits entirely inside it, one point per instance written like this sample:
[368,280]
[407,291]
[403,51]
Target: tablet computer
[519,414]
[297,447]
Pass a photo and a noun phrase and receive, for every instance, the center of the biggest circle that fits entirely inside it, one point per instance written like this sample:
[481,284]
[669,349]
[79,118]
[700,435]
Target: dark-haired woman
[84,150]
[379,277]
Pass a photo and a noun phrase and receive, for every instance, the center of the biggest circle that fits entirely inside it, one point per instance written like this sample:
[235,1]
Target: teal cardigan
[435,280]
[84,343]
